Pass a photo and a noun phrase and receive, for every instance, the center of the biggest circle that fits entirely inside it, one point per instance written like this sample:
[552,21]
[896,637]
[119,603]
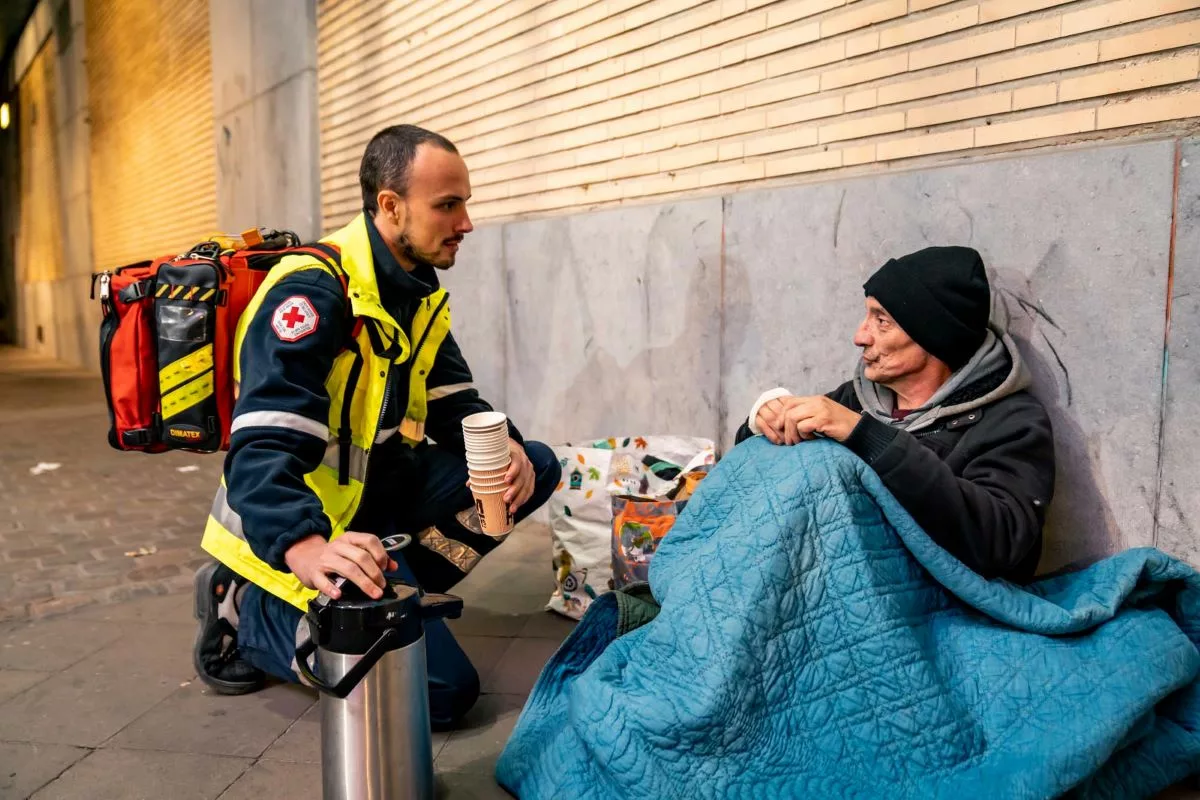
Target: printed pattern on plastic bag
[581,508]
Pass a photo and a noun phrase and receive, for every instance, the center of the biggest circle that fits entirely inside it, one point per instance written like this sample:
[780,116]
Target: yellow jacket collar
[355,246]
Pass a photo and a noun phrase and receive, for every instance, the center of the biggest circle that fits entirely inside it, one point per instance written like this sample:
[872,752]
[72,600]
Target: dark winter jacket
[975,467]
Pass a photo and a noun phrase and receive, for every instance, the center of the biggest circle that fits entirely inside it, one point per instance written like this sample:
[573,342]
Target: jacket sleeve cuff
[743,433]
[275,555]
[766,397]
[515,434]
[870,438]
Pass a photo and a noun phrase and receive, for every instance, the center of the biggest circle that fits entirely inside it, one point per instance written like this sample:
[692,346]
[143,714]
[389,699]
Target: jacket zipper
[416,352]
[387,392]
[425,333]
[344,428]
[344,435]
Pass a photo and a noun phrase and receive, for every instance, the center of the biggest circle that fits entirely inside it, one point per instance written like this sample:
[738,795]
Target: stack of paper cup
[488,459]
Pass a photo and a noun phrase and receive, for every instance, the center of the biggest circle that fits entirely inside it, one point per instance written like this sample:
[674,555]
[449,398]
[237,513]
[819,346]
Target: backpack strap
[331,257]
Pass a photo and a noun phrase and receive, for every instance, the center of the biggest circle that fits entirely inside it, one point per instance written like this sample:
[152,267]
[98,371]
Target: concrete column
[49,227]
[264,73]
[76,317]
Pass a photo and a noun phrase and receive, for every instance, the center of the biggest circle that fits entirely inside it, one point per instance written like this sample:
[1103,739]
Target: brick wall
[572,103]
[150,103]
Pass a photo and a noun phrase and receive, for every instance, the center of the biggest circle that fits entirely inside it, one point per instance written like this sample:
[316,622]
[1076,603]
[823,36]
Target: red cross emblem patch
[294,319]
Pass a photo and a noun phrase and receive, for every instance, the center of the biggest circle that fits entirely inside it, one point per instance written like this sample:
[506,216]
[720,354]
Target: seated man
[938,407]
[342,377]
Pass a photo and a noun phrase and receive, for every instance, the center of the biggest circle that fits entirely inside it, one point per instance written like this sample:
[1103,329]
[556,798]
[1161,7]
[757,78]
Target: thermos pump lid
[354,622]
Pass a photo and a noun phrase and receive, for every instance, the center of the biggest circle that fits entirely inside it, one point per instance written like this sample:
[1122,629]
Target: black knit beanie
[940,297]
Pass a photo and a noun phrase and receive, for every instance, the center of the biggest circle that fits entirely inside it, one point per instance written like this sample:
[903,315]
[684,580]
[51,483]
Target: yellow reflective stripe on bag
[184,369]
[187,395]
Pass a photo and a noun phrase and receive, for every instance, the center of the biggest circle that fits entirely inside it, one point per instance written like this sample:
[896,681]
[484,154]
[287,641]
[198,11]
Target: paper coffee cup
[484,420]
[493,460]
[495,469]
[482,444]
[488,456]
[489,477]
[491,430]
[500,432]
[494,516]
[486,448]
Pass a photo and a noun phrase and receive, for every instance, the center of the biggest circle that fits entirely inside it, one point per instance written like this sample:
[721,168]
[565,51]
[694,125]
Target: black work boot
[215,654]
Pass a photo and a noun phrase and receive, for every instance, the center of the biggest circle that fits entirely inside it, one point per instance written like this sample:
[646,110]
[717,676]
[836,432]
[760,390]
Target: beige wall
[153,159]
[39,256]
[571,103]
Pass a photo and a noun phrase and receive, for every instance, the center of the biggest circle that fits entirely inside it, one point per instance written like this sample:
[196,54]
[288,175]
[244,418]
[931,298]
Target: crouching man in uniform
[346,365]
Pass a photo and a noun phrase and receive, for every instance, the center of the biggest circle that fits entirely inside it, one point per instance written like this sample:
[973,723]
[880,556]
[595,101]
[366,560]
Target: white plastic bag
[581,512]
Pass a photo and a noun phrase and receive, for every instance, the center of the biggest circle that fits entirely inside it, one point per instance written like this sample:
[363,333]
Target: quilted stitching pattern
[814,642]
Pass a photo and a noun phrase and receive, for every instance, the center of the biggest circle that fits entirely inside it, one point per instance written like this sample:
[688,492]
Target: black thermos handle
[356,673]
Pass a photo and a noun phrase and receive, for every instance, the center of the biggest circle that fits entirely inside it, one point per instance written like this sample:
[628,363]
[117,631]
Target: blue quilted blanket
[813,642]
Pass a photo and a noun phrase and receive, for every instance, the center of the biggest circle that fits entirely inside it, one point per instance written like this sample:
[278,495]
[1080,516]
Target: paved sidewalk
[65,530]
[102,703]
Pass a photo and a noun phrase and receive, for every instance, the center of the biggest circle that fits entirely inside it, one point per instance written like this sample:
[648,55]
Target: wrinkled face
[432,217]
[889,354]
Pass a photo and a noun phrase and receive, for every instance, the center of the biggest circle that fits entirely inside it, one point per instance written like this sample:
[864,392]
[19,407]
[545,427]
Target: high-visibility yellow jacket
[356,387]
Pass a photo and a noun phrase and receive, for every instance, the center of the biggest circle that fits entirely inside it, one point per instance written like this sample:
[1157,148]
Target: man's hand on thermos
[358,557]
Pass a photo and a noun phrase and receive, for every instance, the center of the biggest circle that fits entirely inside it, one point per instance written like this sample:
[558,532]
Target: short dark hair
[388,158]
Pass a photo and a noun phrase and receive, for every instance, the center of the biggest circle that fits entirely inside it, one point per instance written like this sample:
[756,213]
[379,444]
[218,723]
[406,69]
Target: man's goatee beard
[414,257]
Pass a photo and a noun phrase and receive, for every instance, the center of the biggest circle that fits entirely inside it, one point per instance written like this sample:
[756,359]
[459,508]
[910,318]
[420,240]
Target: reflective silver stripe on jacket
[280,419]
[358,460]
[223,513]
[296,422]
[438,392]
[385,434]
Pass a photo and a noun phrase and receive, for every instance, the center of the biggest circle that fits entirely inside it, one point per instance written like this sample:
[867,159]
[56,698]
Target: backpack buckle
[134,292]
[140,437]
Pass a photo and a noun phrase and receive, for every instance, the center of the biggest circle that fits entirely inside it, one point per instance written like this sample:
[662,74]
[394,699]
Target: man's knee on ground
[268,633]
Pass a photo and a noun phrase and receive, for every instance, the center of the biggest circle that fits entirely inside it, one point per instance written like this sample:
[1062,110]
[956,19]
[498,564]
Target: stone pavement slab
[469,786]
[25,767]
[485,653]
[90,701]
[167,608]
[270,779]
[194,720]
[54,644]
[113,774]
[15,681]
[489,724]
[301,742]
[520,666]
